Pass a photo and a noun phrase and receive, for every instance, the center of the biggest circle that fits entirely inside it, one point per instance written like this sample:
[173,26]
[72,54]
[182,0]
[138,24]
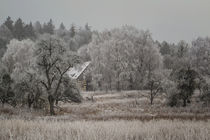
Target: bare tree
[154,85]
[53,60]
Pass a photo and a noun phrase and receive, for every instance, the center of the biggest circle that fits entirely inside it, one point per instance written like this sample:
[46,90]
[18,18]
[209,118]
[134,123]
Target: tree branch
[45,85]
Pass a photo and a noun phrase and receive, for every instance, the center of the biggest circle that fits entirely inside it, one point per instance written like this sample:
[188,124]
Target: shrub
[186,83]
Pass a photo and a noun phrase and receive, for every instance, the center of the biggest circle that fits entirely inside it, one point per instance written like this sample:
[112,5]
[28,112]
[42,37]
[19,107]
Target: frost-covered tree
[200,53]
[18,30]
[38,70]
[165,48]
[61,31]
[123,56]
[9,24]
[18,57]
[154,85]
[96,58]
[5,37]
[186,83]
[5,33]
[182,49]
[79,38]
[6,93]
[49,27]
[29,31]
[180,57]
[2,47]
[19,62]
[54,59]
[38,27]
[72,31]
[83,52]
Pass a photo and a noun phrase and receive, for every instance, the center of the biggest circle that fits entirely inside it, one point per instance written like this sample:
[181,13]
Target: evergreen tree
[5,33]
[9,23]
[38,27]
[182,49]
[165,48]
[29,31]
[62,27]
[49,27]
[19,32]
[5,37]
[3,47]
[61,31]
[72,30]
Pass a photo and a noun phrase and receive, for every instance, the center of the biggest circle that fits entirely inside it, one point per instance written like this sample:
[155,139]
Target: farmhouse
[77,73]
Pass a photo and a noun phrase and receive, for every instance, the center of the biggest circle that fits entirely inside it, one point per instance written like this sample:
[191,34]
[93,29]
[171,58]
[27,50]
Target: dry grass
[104,130]
[129,105]
[111,116]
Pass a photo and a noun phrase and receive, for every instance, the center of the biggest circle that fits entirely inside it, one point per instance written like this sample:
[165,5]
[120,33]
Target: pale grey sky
[170,20]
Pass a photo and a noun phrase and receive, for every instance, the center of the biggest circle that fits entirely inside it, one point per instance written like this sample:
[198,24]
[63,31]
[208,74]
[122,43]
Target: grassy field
[104,130]
[109,116]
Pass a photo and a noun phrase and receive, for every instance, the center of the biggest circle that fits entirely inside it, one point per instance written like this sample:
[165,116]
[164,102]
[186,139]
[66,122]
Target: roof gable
[77,70]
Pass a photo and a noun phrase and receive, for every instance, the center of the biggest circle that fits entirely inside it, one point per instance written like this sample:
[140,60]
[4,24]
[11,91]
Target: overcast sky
[170,20]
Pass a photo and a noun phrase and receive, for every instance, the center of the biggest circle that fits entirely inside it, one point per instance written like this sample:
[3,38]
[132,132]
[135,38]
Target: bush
[72,93]
[6,93]
[173,99]
[205,97]
[186,84]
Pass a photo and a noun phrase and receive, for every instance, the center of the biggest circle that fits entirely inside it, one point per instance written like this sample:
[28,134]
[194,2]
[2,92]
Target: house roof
[77,70]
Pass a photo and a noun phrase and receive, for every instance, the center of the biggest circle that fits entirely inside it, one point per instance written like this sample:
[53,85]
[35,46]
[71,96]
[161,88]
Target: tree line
[35,58]
[127,58]
[75,36]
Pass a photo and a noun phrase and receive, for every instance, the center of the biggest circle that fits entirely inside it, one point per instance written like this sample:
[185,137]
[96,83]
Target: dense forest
[35,58]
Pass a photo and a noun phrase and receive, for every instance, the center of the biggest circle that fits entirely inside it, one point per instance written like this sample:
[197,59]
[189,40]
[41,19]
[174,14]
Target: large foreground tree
[54,59]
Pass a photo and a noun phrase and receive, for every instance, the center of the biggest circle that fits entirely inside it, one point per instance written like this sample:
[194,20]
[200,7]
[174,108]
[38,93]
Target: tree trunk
[56,102]
[151,100]
[184,102]
[51,102]
[151,95]
[110,83]
[29,105]
[106,89]
[30,100]
[118,85]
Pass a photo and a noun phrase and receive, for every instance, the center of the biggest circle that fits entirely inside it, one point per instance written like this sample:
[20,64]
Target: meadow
[108,116]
